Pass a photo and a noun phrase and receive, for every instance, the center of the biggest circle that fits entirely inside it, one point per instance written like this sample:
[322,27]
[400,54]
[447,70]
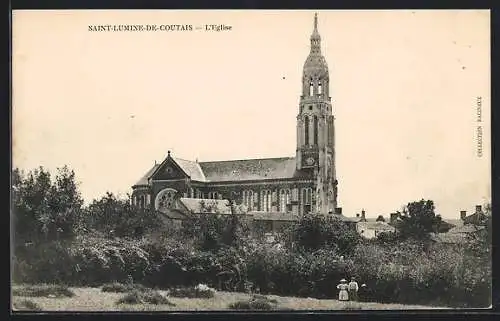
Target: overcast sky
[403,85]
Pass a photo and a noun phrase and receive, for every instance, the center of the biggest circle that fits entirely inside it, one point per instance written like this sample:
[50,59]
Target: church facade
[297,185]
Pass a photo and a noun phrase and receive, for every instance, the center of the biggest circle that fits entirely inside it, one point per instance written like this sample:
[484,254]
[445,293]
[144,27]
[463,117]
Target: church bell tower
[315,126]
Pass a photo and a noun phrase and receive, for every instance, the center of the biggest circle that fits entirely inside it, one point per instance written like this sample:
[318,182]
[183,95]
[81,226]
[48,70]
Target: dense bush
[43,290]
[272,270]
[256,302]
[117,217]
[25,305]
[406,272]
[138,297]
[200,291]
[314,232]
[117,287]
[212,232]
[410,273]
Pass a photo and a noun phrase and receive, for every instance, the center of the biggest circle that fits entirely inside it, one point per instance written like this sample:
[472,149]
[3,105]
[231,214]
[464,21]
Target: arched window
[142,201]
[307,196]
[311,88]
[282,201]
[315,130]
[285,200]
[320,89]
[306,130]
[265,200]
[248,198]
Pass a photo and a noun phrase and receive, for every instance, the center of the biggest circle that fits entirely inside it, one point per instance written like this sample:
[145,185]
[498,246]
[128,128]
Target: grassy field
[94,299]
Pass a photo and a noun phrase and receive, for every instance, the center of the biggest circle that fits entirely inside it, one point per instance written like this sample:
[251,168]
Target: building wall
[297,197]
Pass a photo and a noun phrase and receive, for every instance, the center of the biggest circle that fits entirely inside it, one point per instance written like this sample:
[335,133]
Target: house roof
[454,222]
[345,218]
[379,226]
[252,169]
[192,169]
[144,179]
[476,218]
[273,216]
[236,170]
[450,238]
[173,214]
[465,229]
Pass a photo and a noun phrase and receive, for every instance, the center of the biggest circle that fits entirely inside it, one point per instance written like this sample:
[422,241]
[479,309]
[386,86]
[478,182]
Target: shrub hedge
[402,273]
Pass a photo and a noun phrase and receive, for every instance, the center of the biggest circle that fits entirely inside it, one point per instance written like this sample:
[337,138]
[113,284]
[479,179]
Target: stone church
[297,185]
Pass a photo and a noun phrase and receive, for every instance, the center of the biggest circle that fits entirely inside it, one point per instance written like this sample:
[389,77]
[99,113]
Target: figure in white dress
[343,293]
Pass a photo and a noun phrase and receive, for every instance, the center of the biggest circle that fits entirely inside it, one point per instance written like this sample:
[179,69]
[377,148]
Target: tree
[380,218]
[314,232]
[117,217]
[45,209]
[418,220]
[214,230]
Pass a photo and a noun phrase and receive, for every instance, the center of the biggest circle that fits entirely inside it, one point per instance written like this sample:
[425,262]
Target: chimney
[478,209]
[394,217]
[363,214]
[463,214]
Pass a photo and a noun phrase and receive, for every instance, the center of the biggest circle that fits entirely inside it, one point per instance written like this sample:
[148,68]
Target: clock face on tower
[309,159]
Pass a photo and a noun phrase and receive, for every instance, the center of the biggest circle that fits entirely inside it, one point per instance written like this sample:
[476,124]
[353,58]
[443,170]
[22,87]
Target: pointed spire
[315,37]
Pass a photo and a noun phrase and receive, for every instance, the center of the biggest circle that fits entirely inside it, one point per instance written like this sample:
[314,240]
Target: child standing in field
[343,287]
[353,290]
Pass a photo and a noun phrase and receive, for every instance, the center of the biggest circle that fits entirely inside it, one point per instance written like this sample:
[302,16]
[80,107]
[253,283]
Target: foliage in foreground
[200,291]
[256,302]
[117,287]
[318,252]
[403,273]
[43,290]
[140,297]
[25,305]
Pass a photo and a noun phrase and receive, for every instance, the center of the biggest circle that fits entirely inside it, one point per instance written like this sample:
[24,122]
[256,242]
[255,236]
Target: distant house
[369,227]
[463,227]
[271,222]
[371,230]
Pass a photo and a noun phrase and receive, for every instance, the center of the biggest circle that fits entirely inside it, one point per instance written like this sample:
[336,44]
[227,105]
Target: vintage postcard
[245,160]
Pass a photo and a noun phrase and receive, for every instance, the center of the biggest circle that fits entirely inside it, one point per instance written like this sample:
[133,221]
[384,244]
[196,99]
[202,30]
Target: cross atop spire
[316,21]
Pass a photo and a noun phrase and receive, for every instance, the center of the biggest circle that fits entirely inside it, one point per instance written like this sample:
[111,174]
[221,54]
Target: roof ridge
[183,159]
[247,159]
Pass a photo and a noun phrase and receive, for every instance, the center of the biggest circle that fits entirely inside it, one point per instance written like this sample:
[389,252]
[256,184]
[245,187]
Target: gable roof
[465,229]
[172,214]
[379,226]
[234,170]
[476,218]
[144,179]
[192,169]
[252,169]
[449,238]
